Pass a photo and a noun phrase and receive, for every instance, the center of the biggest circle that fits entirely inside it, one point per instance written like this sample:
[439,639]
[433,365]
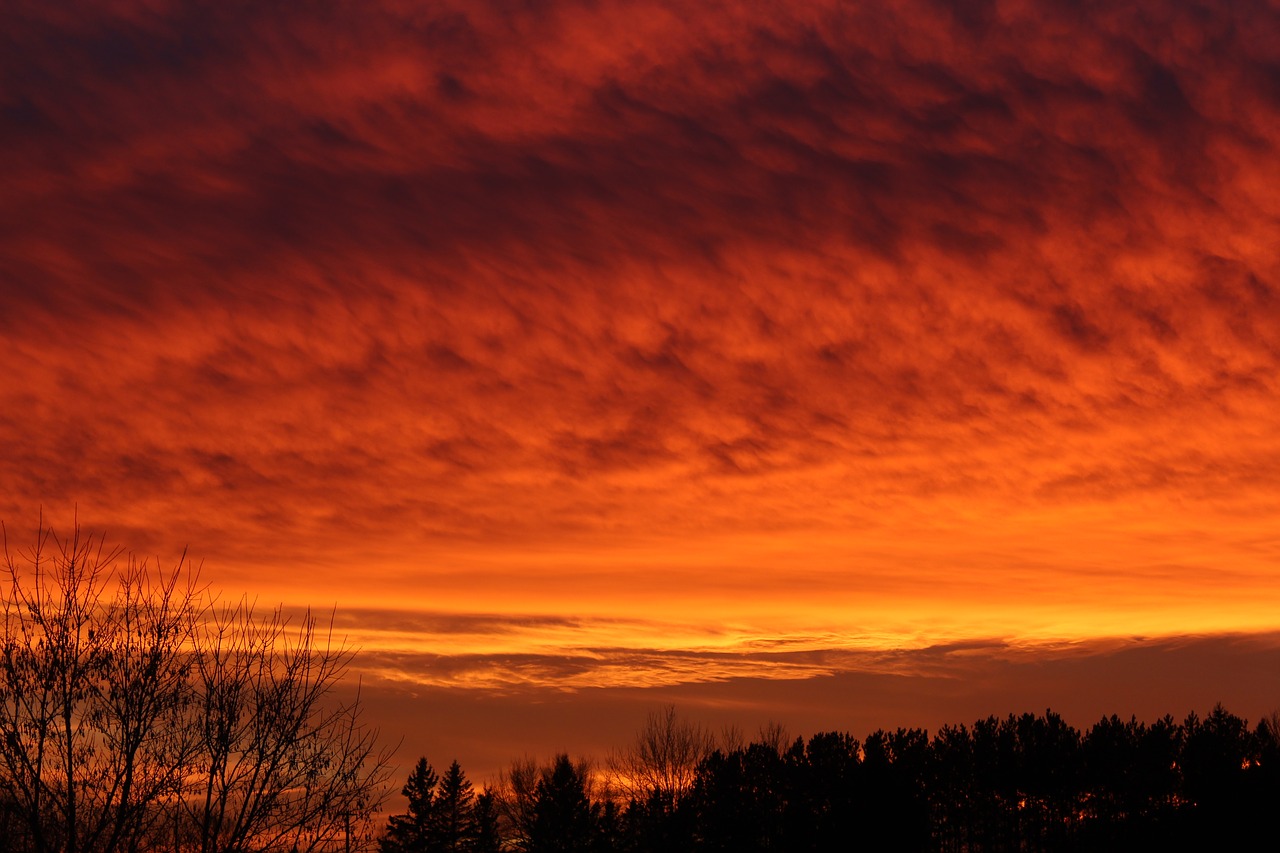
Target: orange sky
[603,346]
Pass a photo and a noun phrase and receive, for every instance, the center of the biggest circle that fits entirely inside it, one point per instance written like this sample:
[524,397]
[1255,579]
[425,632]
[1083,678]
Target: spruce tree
[452,824]
[410,833]
[563,818]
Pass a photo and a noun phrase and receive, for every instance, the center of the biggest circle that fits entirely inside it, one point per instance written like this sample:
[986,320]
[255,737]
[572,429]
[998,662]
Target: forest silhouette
[1021,782]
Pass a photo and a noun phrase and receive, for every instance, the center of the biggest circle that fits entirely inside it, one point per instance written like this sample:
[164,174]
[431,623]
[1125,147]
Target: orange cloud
[896,324]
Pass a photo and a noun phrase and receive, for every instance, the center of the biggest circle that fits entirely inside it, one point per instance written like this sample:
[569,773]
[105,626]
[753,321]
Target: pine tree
[563,818]
[452,824]
[410,833]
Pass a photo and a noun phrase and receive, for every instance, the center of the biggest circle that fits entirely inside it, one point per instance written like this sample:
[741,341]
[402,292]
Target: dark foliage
[564,818]
[1023,782]
[444,816]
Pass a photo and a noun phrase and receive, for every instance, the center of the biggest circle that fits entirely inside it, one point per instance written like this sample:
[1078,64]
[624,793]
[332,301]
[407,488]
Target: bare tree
[516,796]
[93,692]
[1269,725]
[663,759]
[282,767]
[773,734]
[135,715]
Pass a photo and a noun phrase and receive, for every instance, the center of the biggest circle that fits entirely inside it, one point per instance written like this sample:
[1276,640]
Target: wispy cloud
[925,687]
[507,656]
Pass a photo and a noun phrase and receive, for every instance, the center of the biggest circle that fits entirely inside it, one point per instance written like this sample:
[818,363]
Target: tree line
[1022,782]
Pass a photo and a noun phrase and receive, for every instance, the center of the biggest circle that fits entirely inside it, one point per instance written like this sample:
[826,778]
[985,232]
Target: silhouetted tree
[1267,738]
[1216,755]
[661,762]
[560,813]
[954,791]
[824,801]
[895,767]
[739,800]
[1130,782]
[452,824]
[995,749]
[134,715]
[444,815]
[657,823]
[1048,778]
[609,833]
[488,838]
[653,776]
[550,807]
[410,832]
[564,820]
[281,764]
[516,799]
[94,693]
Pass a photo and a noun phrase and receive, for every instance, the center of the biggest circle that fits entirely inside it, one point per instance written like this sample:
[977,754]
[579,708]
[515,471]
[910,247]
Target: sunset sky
[845,364]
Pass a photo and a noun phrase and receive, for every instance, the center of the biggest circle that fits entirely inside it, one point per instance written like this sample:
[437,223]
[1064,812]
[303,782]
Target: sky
[840,364]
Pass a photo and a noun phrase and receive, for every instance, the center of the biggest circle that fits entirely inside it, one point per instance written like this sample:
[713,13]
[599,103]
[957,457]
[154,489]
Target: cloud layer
[910,321]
